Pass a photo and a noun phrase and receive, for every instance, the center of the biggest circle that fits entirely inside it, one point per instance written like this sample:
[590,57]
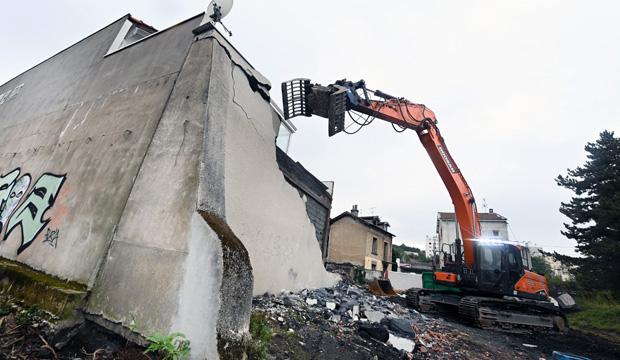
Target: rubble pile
[376,327]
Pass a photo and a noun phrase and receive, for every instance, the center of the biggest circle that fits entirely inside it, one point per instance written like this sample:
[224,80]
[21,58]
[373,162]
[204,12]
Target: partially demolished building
[139,186]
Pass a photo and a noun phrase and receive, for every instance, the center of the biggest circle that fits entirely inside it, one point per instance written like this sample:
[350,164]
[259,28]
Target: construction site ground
[303,329]
[343,322]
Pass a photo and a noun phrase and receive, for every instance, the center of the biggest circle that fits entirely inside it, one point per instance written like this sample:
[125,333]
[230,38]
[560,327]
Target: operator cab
[499,267]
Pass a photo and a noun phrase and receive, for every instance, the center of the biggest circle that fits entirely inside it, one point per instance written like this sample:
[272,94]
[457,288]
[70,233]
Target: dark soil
[29,341]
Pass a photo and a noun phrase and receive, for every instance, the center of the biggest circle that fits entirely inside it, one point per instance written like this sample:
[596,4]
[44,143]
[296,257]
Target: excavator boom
[333,101]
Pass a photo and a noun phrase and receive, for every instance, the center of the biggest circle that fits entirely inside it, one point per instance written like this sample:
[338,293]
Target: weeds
[29,316]
[172,347]
[5,306]
[261,336]
[600,314]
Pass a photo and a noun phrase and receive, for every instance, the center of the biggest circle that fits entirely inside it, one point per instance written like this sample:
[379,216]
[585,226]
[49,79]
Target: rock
[330,305]
[311,301]
[373,331]
[401,326]
[374,316]
[354,291]
[349,304]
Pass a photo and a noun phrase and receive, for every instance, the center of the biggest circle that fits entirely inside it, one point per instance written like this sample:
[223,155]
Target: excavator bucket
[375,288]
[381,287]
[386,286]
[301,98]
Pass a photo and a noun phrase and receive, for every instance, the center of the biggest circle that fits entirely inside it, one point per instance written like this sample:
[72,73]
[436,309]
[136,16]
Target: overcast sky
[519,87]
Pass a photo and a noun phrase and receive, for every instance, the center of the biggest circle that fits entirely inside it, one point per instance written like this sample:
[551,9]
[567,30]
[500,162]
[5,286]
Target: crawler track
[505,314]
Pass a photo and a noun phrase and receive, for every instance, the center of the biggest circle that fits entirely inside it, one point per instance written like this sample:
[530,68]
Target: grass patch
[172,347]
[261,336]
[600,314]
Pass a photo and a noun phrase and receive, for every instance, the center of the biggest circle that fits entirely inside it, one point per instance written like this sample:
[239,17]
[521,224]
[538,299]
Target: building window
[373,266]
[385,251]
[374,246]
[132,31]
[495,232]
[285,131]
[284,137]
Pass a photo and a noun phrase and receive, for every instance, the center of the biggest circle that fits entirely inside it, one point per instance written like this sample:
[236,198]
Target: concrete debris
[311,301]
[373,331]
[349,322]
[374,316]
[359,319]
[402,343]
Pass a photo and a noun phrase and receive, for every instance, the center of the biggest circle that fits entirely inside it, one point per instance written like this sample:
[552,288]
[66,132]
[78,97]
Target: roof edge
[124,17]
[361,221]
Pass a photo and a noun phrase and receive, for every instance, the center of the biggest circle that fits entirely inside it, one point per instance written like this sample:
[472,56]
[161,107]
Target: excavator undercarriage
[505,314]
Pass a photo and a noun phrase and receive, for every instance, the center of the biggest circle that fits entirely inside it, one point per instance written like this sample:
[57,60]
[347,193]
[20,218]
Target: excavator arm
[300,97]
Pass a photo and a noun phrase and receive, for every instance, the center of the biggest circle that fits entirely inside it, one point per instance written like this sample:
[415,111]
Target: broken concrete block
[311,301]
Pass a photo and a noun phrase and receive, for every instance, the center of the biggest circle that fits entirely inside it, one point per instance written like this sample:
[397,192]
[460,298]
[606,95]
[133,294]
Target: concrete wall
[403,281]
[149,175]
[260,207]
[314,193]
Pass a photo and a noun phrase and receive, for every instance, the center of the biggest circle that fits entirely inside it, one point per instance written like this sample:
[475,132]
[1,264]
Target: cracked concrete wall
[260,206]
[169,266]
[150,176]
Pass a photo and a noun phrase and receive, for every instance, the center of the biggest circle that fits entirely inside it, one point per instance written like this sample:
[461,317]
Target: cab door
[490,272]
[514,266]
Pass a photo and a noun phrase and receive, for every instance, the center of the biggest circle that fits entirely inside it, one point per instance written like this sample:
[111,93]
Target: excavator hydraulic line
[301,97]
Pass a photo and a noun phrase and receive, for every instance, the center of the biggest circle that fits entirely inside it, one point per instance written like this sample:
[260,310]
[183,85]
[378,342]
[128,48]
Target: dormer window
[134,34]
[131,32]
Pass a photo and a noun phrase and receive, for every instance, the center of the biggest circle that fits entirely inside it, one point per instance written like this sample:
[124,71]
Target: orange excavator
[485,280]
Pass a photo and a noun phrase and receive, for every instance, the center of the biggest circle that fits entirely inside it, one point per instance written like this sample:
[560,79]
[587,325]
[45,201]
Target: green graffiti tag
[29,215]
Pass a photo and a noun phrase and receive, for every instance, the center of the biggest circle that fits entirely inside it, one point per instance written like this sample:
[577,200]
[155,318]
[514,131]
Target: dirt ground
[22,339]
[328,341]
[303,331]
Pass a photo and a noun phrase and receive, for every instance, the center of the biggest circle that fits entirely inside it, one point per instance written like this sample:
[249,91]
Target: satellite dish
[218,9]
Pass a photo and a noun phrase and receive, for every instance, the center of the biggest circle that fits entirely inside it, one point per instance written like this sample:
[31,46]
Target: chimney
[354,211]
[490,211]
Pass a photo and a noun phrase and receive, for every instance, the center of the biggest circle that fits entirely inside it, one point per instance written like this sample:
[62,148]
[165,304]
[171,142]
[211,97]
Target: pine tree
[594,212]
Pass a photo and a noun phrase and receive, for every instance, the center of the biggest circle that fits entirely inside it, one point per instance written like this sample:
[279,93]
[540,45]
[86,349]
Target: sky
[518,87]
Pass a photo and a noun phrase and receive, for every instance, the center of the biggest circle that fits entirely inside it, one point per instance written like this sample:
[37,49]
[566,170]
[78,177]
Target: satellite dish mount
[217,10]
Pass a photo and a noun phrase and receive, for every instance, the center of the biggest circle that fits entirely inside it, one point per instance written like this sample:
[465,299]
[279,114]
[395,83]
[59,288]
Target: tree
[540,265]
[594,213]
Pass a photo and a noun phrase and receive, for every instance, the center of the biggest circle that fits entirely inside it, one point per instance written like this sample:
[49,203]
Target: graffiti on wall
[27,215]
[10,94]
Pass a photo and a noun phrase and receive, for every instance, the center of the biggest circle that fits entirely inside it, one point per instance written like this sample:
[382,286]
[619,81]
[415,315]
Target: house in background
[360,240]
[558,268]
[492,226]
